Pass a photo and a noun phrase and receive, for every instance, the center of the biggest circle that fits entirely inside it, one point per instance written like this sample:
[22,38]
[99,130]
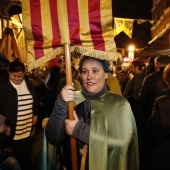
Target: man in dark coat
[158,127]
[152,87]
[133,87]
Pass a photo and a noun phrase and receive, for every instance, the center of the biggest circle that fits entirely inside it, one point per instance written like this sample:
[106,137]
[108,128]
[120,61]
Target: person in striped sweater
[18,105]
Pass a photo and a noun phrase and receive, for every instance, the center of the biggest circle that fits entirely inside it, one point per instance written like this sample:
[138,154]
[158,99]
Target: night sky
[134,9]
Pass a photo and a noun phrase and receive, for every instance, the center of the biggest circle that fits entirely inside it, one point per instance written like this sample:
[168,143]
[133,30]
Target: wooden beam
[15,22]
[15,47]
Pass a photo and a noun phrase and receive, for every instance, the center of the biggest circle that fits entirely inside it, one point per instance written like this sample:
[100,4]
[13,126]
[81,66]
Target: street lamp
[131,49]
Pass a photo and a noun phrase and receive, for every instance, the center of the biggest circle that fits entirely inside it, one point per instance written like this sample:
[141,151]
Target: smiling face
[16,77]
[93,76]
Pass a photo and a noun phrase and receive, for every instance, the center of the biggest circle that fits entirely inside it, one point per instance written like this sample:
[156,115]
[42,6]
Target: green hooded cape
[113,141]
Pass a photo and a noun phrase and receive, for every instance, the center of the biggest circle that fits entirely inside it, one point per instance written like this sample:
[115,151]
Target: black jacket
[152,87]
[59,136]
[158,125]
[158,133]
[9,102]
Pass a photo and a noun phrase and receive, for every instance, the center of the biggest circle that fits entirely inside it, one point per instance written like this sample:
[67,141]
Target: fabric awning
[85,25]
[160,44]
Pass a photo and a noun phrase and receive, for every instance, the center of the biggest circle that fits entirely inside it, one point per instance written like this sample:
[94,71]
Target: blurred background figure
[43,96]
[44,106]
[158,128]
[116,71]
[4,64]
[150,68]
[133,86]
[152,87]
[123,80]
[113,84]
[56,73]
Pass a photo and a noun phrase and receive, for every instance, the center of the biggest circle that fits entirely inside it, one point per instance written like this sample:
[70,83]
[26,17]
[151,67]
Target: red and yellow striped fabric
[86,24]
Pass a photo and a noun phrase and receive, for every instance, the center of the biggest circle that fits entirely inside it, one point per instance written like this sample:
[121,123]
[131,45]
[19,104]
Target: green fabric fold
[113,136]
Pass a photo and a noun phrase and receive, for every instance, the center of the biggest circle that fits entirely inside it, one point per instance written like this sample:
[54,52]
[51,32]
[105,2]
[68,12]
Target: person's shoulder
[140,75]
[26,77]
[154,76]
[163,98]
[54,68]
[78,93]
[115,100]
[114,96]
[4,77]
[112,78]
[151,76]
[156,73]
[79,98]
[62,80]
[76,81]
[77,84]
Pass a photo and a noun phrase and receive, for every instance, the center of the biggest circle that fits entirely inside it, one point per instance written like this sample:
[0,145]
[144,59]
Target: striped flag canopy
[84,24]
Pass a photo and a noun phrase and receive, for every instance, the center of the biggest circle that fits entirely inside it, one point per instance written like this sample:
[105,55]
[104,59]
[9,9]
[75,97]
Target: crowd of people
[121,116]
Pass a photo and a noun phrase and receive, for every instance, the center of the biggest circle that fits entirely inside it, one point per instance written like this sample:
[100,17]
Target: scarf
[91,96]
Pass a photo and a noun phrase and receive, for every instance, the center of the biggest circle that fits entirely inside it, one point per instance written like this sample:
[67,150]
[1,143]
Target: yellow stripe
[63,21]
[46,26]
[124,19]
[85,35]
[106,21]
[28,29]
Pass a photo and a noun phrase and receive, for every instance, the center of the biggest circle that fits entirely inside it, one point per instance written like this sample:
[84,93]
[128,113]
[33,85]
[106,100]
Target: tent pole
[70,105]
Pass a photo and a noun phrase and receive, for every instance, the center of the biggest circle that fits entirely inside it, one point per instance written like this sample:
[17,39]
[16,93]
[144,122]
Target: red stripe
[95,25]
[35,13]
[54,22]
[73,21]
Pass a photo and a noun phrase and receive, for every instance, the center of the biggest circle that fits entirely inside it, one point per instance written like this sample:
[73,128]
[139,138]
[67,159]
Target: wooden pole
[9,40]
[71,105]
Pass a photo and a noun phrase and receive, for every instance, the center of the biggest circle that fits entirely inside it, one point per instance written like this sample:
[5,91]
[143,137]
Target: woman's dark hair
[16,66]
[105,63]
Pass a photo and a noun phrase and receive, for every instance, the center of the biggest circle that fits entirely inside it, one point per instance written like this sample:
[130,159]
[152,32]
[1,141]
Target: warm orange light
[131,52]
[131,48]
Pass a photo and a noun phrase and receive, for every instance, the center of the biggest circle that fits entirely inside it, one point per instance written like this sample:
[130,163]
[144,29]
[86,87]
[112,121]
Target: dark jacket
[158,133]
[55,76]
[152,87]
[132,92]
[43,97]
[9,102]
[59,134]
[158,125]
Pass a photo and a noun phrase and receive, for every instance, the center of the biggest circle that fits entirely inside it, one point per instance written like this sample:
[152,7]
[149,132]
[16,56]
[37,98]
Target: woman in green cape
[102,120]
